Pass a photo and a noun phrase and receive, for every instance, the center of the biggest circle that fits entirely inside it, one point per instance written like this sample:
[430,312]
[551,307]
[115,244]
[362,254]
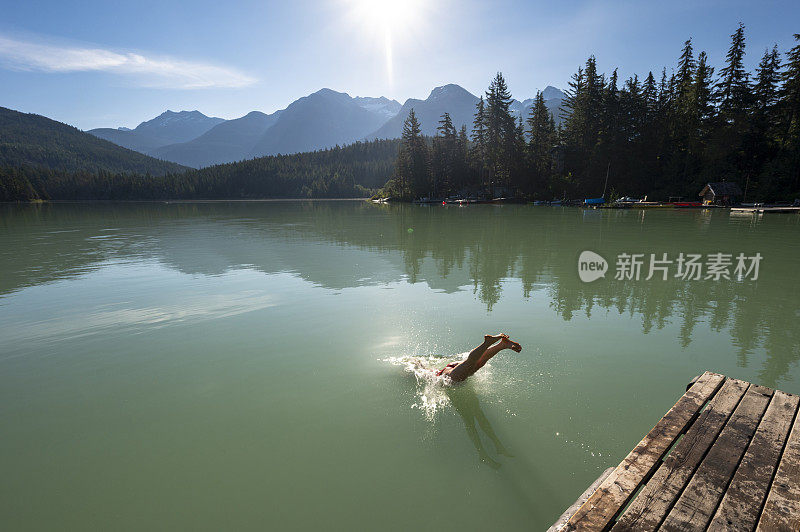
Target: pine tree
[500,131]
[446,128]
[479,139]
[519,170]
[702,91]
[542,139]
[413,170]
[686,72]
[585,125]
[633,111]
[790,96]
[610,116]
[593,102]
[733,88]
[684,116]
[650,95]
[790,101]
[444,155]
[768,76]
[664,94]
[573,117]
[461,172]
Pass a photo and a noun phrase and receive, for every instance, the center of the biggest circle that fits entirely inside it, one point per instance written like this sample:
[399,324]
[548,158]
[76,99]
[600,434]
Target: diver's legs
[466,367]
[504,343]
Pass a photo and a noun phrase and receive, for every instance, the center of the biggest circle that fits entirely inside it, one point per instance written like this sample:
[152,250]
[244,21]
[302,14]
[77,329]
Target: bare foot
[494,337]
[510,344]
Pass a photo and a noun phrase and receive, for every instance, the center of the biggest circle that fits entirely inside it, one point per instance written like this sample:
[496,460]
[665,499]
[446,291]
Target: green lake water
[220,366]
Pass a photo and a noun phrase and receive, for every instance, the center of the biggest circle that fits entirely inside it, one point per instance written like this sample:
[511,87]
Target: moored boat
[686,204]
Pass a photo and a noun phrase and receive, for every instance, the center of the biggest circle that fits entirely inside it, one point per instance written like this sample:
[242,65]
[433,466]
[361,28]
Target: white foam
[431,394]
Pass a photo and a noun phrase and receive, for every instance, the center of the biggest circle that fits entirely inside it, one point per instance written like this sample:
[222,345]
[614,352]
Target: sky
[101,63]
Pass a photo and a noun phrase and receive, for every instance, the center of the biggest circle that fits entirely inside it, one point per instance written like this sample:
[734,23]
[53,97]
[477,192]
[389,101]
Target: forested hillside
[36,141]
[352,171]
[659,135]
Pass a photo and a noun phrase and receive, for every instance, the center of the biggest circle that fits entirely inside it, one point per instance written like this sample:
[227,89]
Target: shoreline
[254,200]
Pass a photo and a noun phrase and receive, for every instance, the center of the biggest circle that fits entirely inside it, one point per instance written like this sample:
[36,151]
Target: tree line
[661,137]
[357,170]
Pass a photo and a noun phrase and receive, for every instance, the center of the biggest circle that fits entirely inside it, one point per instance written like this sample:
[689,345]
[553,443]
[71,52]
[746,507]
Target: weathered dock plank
[741,505]
[698,502]
[615,491]
[725,457]
[656,499]
[782,510]
[577,504]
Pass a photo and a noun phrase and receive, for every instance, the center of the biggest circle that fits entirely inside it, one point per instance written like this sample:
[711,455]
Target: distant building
[721,193]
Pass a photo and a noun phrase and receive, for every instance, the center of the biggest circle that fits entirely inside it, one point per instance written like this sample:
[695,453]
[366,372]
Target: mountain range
[323,119]
[167,128]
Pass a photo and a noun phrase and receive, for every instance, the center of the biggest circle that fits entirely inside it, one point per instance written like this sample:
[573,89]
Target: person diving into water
[478,357]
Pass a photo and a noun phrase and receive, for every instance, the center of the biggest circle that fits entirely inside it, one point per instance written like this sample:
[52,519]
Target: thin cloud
[158,72]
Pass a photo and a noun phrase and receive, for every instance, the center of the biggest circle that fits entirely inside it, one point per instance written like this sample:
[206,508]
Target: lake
[213,366]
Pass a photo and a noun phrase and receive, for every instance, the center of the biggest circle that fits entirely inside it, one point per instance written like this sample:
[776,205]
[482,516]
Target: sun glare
[391,14]
[388,23]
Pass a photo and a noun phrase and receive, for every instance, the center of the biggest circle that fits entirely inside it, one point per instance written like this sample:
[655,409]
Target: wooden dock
[725,457]
[762,209]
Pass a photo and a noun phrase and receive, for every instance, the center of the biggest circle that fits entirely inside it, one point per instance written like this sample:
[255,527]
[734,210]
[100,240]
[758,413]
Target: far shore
[40,201]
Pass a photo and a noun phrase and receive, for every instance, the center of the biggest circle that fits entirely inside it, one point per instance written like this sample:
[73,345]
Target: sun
[392,15]
[376,11]
[388,23]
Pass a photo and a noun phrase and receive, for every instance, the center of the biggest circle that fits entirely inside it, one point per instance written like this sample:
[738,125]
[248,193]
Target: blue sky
[103,63]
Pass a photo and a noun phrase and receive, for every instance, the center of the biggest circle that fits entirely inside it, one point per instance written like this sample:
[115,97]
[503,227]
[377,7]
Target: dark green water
[213,366]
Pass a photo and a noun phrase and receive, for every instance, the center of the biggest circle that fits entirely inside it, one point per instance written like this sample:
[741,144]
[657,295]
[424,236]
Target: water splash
[431,393]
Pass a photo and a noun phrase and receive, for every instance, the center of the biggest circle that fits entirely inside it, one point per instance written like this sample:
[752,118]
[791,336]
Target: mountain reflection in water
[344,244]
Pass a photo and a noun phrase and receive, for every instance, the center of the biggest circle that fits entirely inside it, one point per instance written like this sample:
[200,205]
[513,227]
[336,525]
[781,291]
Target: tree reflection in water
[346,244]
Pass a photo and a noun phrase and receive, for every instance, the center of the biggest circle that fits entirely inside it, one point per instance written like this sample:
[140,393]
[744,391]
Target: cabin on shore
[723,193]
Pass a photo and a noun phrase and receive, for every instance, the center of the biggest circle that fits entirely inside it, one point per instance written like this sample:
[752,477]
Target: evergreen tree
[768,75]
[790,96]
[479,139]
[650,95]
[581,132]
[413,168]
[462,174]
[500,131]
[610,118]
[686,72]
[734,87]
[702,91]
[790,123]
[519,170]
[542,139]
[446,128]
[445,154]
